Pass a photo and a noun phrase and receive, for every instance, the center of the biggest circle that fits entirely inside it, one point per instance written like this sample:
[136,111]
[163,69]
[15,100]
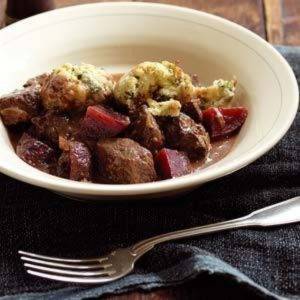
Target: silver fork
[121,261]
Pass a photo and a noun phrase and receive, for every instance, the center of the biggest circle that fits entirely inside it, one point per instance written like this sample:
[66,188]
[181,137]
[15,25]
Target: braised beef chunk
[63,165]
[36,153]
[63,143]
[20,105]
[145,130]
[76,162]
[192,109]
[80,162]
[182,133]
[122,160]
[102,122]
[172,163]
[37,81]
[222,122]
[52,125]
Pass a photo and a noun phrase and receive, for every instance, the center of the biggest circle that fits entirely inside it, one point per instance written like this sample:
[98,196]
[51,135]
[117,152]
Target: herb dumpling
[169,108]
[160,81]
[220,93]
[74,87]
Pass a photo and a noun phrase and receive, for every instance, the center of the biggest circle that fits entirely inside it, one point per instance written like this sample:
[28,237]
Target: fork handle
[278,214]
[144,246]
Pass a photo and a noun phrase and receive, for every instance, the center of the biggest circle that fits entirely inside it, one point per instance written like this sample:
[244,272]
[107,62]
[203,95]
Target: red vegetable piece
[101,122]
[172,163]
[222,122]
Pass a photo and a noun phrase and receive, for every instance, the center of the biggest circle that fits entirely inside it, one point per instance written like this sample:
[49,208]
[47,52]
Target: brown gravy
[218,151]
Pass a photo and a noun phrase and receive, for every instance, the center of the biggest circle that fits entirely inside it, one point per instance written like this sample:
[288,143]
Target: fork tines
[94,270]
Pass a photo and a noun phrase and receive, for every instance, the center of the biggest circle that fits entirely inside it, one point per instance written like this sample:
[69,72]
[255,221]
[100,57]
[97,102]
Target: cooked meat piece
[172,163]
[37,81]
[13,115]
[20,105]
[124,161]
[102,122]
[75,163]
[80,162]
[63,143]
[63,165]
[75,87]
[53,124]
[36,153]
[145,130]
[182,133]
[192,109]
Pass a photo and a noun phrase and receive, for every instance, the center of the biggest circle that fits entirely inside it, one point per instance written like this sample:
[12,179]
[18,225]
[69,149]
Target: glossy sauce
[218,151]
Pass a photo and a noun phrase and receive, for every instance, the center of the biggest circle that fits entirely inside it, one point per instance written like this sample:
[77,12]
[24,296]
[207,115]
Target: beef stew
[152,123]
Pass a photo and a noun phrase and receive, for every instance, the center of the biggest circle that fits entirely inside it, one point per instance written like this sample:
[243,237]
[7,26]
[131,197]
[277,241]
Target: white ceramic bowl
[119,35]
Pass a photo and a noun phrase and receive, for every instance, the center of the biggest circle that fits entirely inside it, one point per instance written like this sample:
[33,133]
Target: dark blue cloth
[246,263]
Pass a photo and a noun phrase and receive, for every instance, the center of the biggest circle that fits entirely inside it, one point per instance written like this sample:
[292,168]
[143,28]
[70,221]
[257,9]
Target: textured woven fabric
[262,263]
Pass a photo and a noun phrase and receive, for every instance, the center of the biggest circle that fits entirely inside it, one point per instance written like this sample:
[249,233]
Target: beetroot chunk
[36,153]
[172,163]
[222,122]
[101,122]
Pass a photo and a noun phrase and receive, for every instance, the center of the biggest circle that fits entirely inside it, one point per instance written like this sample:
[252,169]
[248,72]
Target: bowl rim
[64,185]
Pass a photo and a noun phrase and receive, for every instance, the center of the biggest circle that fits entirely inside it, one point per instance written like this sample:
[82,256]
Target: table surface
[277,21]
